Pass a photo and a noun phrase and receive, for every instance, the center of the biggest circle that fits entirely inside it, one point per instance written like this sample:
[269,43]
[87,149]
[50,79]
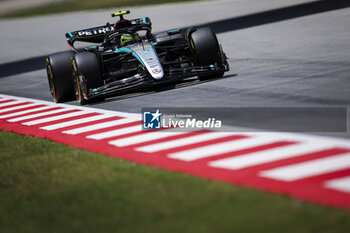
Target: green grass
[47,187]
[76,5]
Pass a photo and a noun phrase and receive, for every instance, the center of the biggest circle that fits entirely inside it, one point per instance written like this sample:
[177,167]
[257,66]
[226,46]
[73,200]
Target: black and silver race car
[129,56]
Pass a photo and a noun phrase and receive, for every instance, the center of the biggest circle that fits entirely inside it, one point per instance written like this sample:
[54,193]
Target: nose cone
[146,53]
[157,73]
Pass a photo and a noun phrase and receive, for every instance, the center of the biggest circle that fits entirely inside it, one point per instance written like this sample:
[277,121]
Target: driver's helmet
[127,39]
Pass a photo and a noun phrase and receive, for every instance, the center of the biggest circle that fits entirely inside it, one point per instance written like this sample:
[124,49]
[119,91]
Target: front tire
[207,51]
[59,74]
[87,74]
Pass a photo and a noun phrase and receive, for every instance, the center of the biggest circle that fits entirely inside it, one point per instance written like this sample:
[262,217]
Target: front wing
[144,80]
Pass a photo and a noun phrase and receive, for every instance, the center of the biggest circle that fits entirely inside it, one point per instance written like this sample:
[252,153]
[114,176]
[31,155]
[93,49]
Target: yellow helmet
[127,39]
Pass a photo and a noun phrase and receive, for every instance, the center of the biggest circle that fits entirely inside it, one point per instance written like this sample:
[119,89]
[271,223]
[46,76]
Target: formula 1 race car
[129,56]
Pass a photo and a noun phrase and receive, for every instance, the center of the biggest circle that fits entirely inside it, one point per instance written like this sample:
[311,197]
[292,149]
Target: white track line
[19,107]
[12,103]
[340,184]
[146,137]
[182,142]
[221,148]
[100,126]
[38,115]
[271,155]
[309,168]
[114,113]
[55,118]
[117,132]
[75,122]
[25,112]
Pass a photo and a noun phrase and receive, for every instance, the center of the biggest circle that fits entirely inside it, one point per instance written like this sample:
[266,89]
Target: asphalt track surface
[281,54]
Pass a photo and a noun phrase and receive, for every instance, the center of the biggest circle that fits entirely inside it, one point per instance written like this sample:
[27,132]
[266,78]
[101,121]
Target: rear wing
[92,35]
[97,34]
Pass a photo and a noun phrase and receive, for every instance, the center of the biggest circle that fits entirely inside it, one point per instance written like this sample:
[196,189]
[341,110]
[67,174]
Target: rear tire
[206,49]
[59,74]
[87,74]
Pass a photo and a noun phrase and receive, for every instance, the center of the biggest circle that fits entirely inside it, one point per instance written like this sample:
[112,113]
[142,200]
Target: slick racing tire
[59,74]
[207,51]
[87,74]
